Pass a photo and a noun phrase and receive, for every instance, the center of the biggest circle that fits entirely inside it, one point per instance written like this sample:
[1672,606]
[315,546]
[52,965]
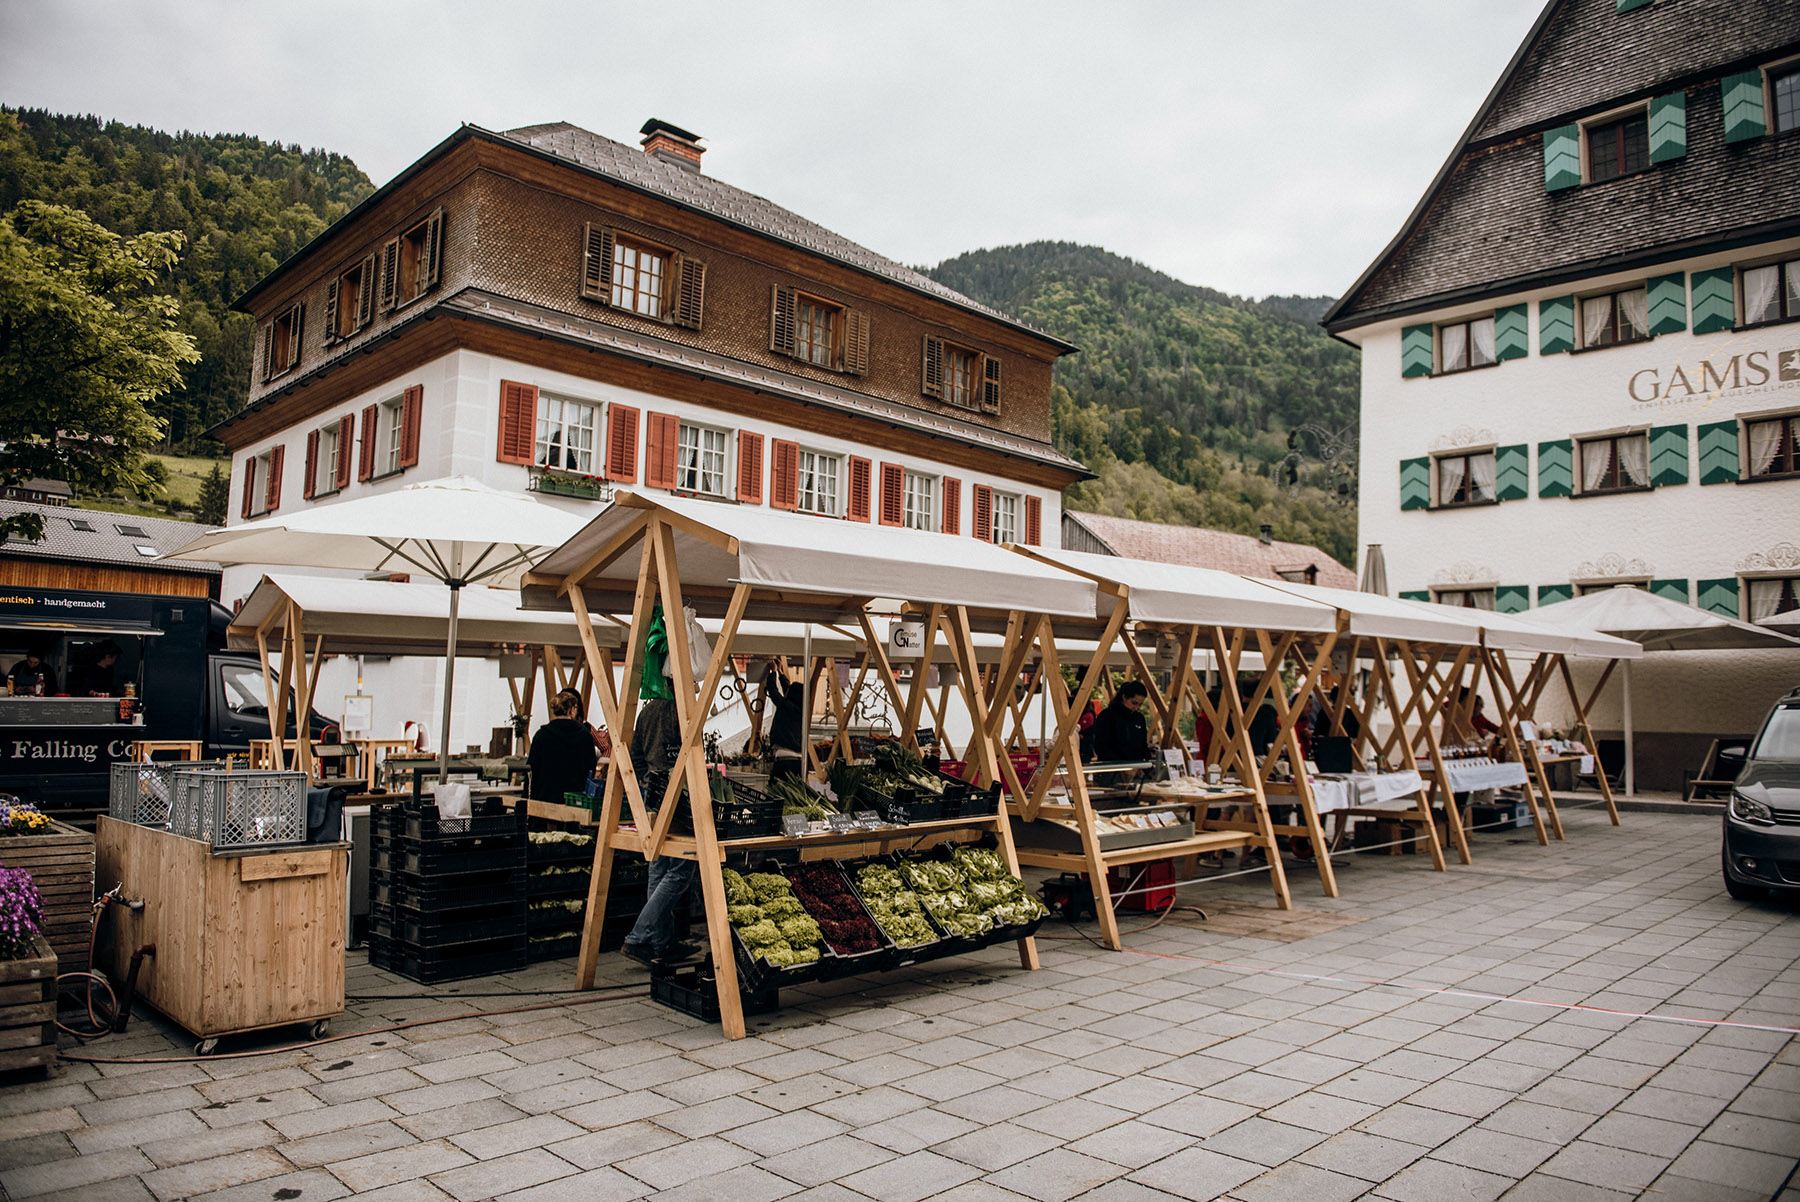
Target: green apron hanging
[653,684]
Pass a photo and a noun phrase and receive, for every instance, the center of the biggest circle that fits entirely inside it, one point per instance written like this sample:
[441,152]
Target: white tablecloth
[1465,776]
[1366,791]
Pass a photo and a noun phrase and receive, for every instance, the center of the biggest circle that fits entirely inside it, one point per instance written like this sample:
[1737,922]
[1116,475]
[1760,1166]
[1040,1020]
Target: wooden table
[145,750]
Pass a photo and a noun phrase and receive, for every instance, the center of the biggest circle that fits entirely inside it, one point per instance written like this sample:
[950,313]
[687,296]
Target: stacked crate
[447,895]
[559,863]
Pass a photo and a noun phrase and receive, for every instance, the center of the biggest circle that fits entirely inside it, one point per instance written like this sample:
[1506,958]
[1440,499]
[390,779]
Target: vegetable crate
[144,793]
[448,894]
[691,992]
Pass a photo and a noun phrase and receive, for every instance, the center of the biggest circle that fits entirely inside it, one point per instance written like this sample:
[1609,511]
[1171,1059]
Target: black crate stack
[559,865]
[447,895]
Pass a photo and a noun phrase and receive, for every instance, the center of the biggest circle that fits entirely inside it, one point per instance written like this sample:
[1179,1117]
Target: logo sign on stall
[1168,650]
[60,749]
[906,637]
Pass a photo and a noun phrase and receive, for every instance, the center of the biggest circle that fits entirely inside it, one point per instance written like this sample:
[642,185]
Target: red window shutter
[365,467]
[893,495]
[518,423]
[856,505]
[1034,521]
[784,474]
[275,457]
[346,444]
[312,465]
[984,514]
[411,406]
[750,470]
[952,505]
[662,443]
[622,443]
[249,486]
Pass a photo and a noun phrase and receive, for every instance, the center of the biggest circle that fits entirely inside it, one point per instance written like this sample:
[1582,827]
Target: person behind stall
[30,671]
[92,674]
[563,751]
[1121,734]
[784,731]
[1478,721]
[655,744]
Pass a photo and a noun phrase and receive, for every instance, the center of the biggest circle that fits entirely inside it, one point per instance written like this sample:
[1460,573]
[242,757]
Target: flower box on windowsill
[561,484]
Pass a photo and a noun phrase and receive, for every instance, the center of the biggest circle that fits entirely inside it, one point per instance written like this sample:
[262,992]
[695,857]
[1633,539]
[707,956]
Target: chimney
[672,144]
[1265,534]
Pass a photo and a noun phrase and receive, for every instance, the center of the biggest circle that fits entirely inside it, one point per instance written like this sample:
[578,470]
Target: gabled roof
[115,538]
[1485,225]
[1199,547]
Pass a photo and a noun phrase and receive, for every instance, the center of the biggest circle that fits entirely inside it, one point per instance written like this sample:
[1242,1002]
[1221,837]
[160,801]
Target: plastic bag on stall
[452,799]
[699,650]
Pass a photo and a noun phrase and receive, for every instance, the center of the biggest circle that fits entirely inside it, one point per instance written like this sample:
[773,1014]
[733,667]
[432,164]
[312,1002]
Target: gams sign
[59,749]
[1718,375]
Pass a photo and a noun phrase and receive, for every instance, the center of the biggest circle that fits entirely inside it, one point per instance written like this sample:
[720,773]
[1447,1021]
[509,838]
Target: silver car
[1761,853]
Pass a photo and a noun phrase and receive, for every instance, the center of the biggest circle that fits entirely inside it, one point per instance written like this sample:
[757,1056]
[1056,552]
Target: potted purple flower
[21,915]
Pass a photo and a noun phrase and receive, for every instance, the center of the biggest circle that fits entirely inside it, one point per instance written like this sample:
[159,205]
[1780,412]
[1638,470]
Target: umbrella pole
[1630,739]
[455,582]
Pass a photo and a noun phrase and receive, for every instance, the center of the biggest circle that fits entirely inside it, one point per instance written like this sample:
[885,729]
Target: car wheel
[1737,888]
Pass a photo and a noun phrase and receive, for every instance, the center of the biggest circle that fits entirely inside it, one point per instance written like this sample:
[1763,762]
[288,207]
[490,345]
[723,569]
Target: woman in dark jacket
[1121,735]
[563,751]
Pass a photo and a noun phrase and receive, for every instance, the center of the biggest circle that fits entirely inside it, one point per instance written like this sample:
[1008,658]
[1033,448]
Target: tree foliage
[1182,398]
[240,204]
[215,498]
[87,346]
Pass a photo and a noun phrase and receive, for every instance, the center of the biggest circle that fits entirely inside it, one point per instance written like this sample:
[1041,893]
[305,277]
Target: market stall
[735,564]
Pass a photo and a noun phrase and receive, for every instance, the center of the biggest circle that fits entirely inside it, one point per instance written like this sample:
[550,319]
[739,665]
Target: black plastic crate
[414,891]
[425,823]
[561,852]
[751,814]
[977,803]
[684,989]
[903,807]
[564,945]
[440,928]
[428,966]
[833,963]
[553,918]
[917,952]
[558,884]
[426,861]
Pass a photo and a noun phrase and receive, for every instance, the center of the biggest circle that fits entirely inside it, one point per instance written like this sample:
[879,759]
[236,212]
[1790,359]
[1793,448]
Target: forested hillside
[1182,398]
[242,204]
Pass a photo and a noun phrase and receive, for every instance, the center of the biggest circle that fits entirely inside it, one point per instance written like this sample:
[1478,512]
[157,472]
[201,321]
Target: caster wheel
[318,1029]
[206,1047]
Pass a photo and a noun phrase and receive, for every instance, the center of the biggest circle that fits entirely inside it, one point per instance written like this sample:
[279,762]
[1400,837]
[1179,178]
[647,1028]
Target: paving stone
[1743,1168]
[1074,1118]
[911,1177]
[305,1124]
[485,1180]
[367,1173]
[1362,1155]
[312,1185]
[1598,1164]
[454,1120]
[1134,1143]
[1318,1111]
[685,1162]
[216,1173]
[1196,1174]
[1056,1175]
[1296,1182]
[1541,1187]
[596,1185]
[1495,1152]
[915,1130]
[1431,1180]
[746,1183]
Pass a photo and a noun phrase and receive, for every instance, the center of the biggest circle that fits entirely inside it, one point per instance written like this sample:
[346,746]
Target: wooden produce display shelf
[687,848]
[1075,861]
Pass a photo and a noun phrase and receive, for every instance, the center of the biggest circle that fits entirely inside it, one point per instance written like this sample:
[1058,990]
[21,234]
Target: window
[350,301]
[244,688]
[1614,318]
[1615,463]
[1467,344]
[565,435]
[281,343]
[1784,90]
[1465,479]
[81,524]
[1772,292]
[1467,598]
[1584,587]
[1006,518]
[919,492]
[816,482]
[1618,147]
[131,531]
[1772,443]
[700,461]
[639,277]
[959,376]
[325,462]
[393,430]
[815,336]
[418,260]
[1771,595]
[262,484]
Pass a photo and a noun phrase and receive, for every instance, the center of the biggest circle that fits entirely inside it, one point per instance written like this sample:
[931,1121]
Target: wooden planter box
[28,1010]
[61,861]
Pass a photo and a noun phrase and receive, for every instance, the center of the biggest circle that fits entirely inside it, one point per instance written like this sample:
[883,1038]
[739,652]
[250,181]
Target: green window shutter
[1512,472]
[1668,127]
[1415,484]
[1715,306]
[1562,157]
[1626,6]
[1668,303]
[1743,98]
[1556,474]
[1512,335]
[1556,325]
[1718,452]
[1670,590]
[1668,456]
[1416,595]
[1512,598]
[1550,594]
[1415,351]
[1718,596]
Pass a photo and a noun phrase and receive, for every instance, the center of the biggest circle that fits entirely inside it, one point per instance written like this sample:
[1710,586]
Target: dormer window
[281,342]
[1618,147]
[638,275]
[409,263]
[350,301]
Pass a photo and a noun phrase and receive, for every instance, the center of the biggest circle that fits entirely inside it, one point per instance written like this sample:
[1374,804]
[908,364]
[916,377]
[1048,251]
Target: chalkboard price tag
[793,825]
[840,822]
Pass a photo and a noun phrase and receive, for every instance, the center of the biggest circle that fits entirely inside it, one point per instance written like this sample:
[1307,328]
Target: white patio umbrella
[1658,624]
[454,530]
[1374,573]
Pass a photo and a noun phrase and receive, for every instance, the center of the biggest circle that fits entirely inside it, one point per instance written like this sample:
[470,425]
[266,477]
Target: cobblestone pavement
[1355,1050]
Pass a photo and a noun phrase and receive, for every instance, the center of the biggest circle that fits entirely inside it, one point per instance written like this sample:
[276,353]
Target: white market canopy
[1782,622]
[1514,632]
[1371,615]
[1656,623]
[1181,595]
[801,560]
[380,617]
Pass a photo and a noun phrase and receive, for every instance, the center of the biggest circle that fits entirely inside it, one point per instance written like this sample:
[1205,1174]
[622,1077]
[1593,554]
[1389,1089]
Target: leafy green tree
[87,344]
[215,498]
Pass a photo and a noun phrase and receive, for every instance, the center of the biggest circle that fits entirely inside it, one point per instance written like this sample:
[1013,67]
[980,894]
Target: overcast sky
[1258,148]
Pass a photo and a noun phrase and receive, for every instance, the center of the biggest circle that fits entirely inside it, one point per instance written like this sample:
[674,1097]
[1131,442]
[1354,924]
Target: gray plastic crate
[144,793]
[239,809]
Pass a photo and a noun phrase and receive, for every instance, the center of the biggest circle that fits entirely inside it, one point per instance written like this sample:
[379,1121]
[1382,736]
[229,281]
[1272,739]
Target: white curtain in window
[1765,599]
[1456,348]
[1596,458]
[1759,293]
[1765,444]
[1634,460]
[1483,333]
[1792,272]
[1635,307]
[1483,598]
[1482,468]
[1596,312]
[1450,479]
